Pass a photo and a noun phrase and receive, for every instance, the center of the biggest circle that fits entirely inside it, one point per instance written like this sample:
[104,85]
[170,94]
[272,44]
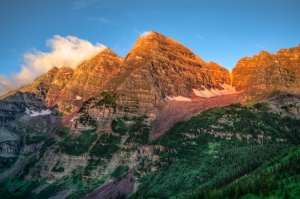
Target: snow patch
[215,92]
[36,113]
[78,97]
[179,98]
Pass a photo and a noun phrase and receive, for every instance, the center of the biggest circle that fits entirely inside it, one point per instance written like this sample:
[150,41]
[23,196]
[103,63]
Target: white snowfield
[78,97]
[215,92]
[35,113]
[179,98]
[206,93]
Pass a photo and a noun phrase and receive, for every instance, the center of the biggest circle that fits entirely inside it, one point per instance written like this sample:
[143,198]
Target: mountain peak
[154,43]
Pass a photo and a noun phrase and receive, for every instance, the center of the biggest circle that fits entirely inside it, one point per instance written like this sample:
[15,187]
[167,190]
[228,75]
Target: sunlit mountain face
[149,99]
[158,123]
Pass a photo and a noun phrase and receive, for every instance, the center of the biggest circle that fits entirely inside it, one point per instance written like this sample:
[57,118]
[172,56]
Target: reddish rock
[243,71]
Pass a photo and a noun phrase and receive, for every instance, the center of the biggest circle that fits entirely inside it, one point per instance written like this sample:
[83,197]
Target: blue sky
[219,30]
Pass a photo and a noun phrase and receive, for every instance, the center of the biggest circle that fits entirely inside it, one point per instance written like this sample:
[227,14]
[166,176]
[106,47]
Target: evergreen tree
[145,194]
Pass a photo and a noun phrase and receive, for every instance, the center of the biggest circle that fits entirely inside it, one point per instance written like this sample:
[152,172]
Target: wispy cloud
[145,33]
[199,37]
[65,51]
[103,20]
[258,46]
[78,5]
[98,4]
[99,20]
[148,12]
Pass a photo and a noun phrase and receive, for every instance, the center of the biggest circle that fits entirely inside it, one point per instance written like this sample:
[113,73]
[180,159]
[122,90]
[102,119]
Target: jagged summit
[156,43]
[245,67]
[93,125]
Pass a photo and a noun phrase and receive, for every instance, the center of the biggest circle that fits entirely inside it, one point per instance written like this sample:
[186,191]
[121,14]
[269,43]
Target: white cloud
[65,51]
[259,46]
[5,85]
[145,33]
[199,37]
[103,20]
[77,5]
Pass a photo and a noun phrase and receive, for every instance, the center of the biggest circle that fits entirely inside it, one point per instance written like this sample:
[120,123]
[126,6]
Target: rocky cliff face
[242,73]
[172,68]
[109,105]
[272,79]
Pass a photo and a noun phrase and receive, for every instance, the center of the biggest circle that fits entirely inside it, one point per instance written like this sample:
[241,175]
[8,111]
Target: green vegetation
[63,131]
[79,145]
[118,126]
[109,99]
[91,186]
[46,145]
[256,97]
[15,186]
[230,152]
[106,146]
[86,104]
[277,178]
[138,132]
[215,148]
[92,163]
[119,172]
[285,108]
[29,139]
[85,118]
[59,169]
[273,93]
[6,163]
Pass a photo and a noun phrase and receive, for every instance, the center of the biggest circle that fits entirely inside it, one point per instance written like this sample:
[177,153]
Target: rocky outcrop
[90,77]
[245,68]
[170,69]
[271,78]
[15,105]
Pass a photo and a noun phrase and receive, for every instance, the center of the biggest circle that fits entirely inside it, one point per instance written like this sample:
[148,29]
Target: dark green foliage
[119,172]
[109,99]
[46,145]
[195,156]
[58,169]
[63,131]
[120,196]
[14,187]
[139,131]
[104,151]
[270,180]
[79,145]
[118,126]
[285,108]
[83,190]
[6,163]
[92,163]
[86,104]
[85,118]
[106,146]
[34,139]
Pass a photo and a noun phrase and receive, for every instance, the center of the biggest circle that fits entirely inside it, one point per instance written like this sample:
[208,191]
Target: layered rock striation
[247,66]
